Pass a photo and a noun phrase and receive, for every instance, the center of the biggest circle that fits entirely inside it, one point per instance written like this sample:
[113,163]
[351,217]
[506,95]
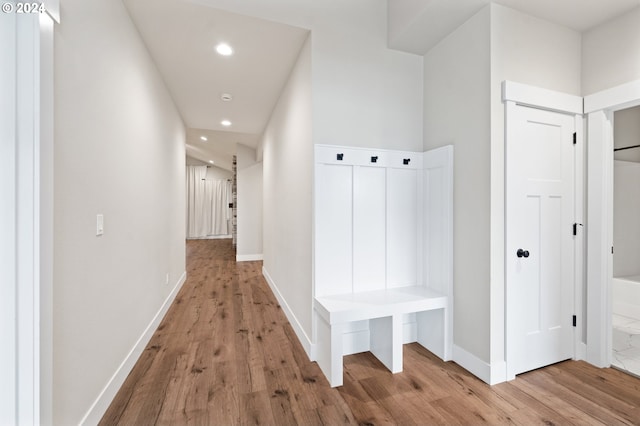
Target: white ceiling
[579,15]
[220,146]
[417,25]
[181,36]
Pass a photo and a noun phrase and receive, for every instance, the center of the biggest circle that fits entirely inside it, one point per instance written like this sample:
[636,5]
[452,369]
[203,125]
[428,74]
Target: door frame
[599,108]
[26,219]
[514,94]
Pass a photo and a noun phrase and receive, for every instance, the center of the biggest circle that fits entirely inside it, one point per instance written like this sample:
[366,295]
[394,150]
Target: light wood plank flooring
[225,355]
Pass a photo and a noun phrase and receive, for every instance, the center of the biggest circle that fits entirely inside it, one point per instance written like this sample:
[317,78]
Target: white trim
[46,178]
[614,99]
[308,346]
[211,237]
[8,215]
[28,219]
[601,107]
[489,373]
[536,97]
[498,372]
[580,245]
[599,237]
[102,402]
[248,257]
[511,350]
[26,216]
[581,351]
[53,9]
[474,365]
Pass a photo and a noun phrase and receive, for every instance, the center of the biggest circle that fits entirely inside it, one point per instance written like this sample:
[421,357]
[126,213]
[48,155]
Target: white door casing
[600,108]
[26,215]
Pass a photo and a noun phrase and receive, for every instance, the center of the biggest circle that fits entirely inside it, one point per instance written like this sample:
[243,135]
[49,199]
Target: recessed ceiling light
[226,97]
[224,49]
[225,123]
[203,138]
[211,161]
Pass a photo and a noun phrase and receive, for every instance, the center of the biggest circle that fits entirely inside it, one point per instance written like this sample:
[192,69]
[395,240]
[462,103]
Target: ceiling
[181,36]
[417,25]
[579,15]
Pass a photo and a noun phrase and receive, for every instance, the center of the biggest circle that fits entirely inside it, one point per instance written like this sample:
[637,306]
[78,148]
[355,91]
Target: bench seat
[384,310]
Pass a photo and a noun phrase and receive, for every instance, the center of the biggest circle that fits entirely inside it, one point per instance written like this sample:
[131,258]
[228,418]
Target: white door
[540,212]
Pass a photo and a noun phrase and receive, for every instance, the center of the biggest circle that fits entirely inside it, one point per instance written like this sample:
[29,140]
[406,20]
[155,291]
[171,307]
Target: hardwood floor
[225,355]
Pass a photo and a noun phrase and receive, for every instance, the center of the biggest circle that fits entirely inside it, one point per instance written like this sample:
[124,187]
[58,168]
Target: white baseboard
[211,237]
[498,373]
[102,402]
[307,345]
[248,257]
[581,351]
[472,364]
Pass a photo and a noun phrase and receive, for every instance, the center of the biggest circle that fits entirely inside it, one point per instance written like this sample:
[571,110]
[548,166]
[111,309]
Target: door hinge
[575,320]
[575,138]
[575,228]
[611,249]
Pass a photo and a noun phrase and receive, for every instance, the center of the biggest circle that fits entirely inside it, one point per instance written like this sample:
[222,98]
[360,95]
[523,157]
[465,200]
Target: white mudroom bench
[384,309]
[383,255]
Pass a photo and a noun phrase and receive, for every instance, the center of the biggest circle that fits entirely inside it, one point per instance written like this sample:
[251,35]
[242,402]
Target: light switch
[99,224]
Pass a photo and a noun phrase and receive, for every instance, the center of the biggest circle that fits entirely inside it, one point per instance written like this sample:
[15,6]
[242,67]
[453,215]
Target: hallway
[225,354]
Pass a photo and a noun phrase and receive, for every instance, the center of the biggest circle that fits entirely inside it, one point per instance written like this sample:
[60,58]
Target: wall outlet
[166,280]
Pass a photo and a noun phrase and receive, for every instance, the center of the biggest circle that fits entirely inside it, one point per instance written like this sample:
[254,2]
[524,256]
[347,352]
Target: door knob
[522,253]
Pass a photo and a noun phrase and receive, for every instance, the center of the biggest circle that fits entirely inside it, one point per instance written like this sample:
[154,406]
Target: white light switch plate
[99,224]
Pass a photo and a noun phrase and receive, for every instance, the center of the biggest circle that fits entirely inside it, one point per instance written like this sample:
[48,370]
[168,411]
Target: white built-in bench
[383,254]
[385,310]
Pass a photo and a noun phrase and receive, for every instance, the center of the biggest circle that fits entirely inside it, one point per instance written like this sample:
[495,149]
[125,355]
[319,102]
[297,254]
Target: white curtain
[208,211]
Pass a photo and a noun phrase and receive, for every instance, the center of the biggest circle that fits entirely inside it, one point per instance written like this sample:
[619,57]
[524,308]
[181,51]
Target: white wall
[8,212]
[216,173]
[463,106]
[457,112]
[611,53]
[626,132]
[356,91]
[287,145]
[528,50]
[249,205]
[626,193]
[626,212]
[364,94]
[119,151]
[213,172]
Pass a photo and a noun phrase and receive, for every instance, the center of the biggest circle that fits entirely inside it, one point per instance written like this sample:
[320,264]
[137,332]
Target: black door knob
[522,253]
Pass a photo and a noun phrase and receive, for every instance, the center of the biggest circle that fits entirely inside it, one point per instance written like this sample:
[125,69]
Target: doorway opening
[625,284]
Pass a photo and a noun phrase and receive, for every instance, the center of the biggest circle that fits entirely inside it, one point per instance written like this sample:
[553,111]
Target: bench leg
[386,341]
[329,351]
